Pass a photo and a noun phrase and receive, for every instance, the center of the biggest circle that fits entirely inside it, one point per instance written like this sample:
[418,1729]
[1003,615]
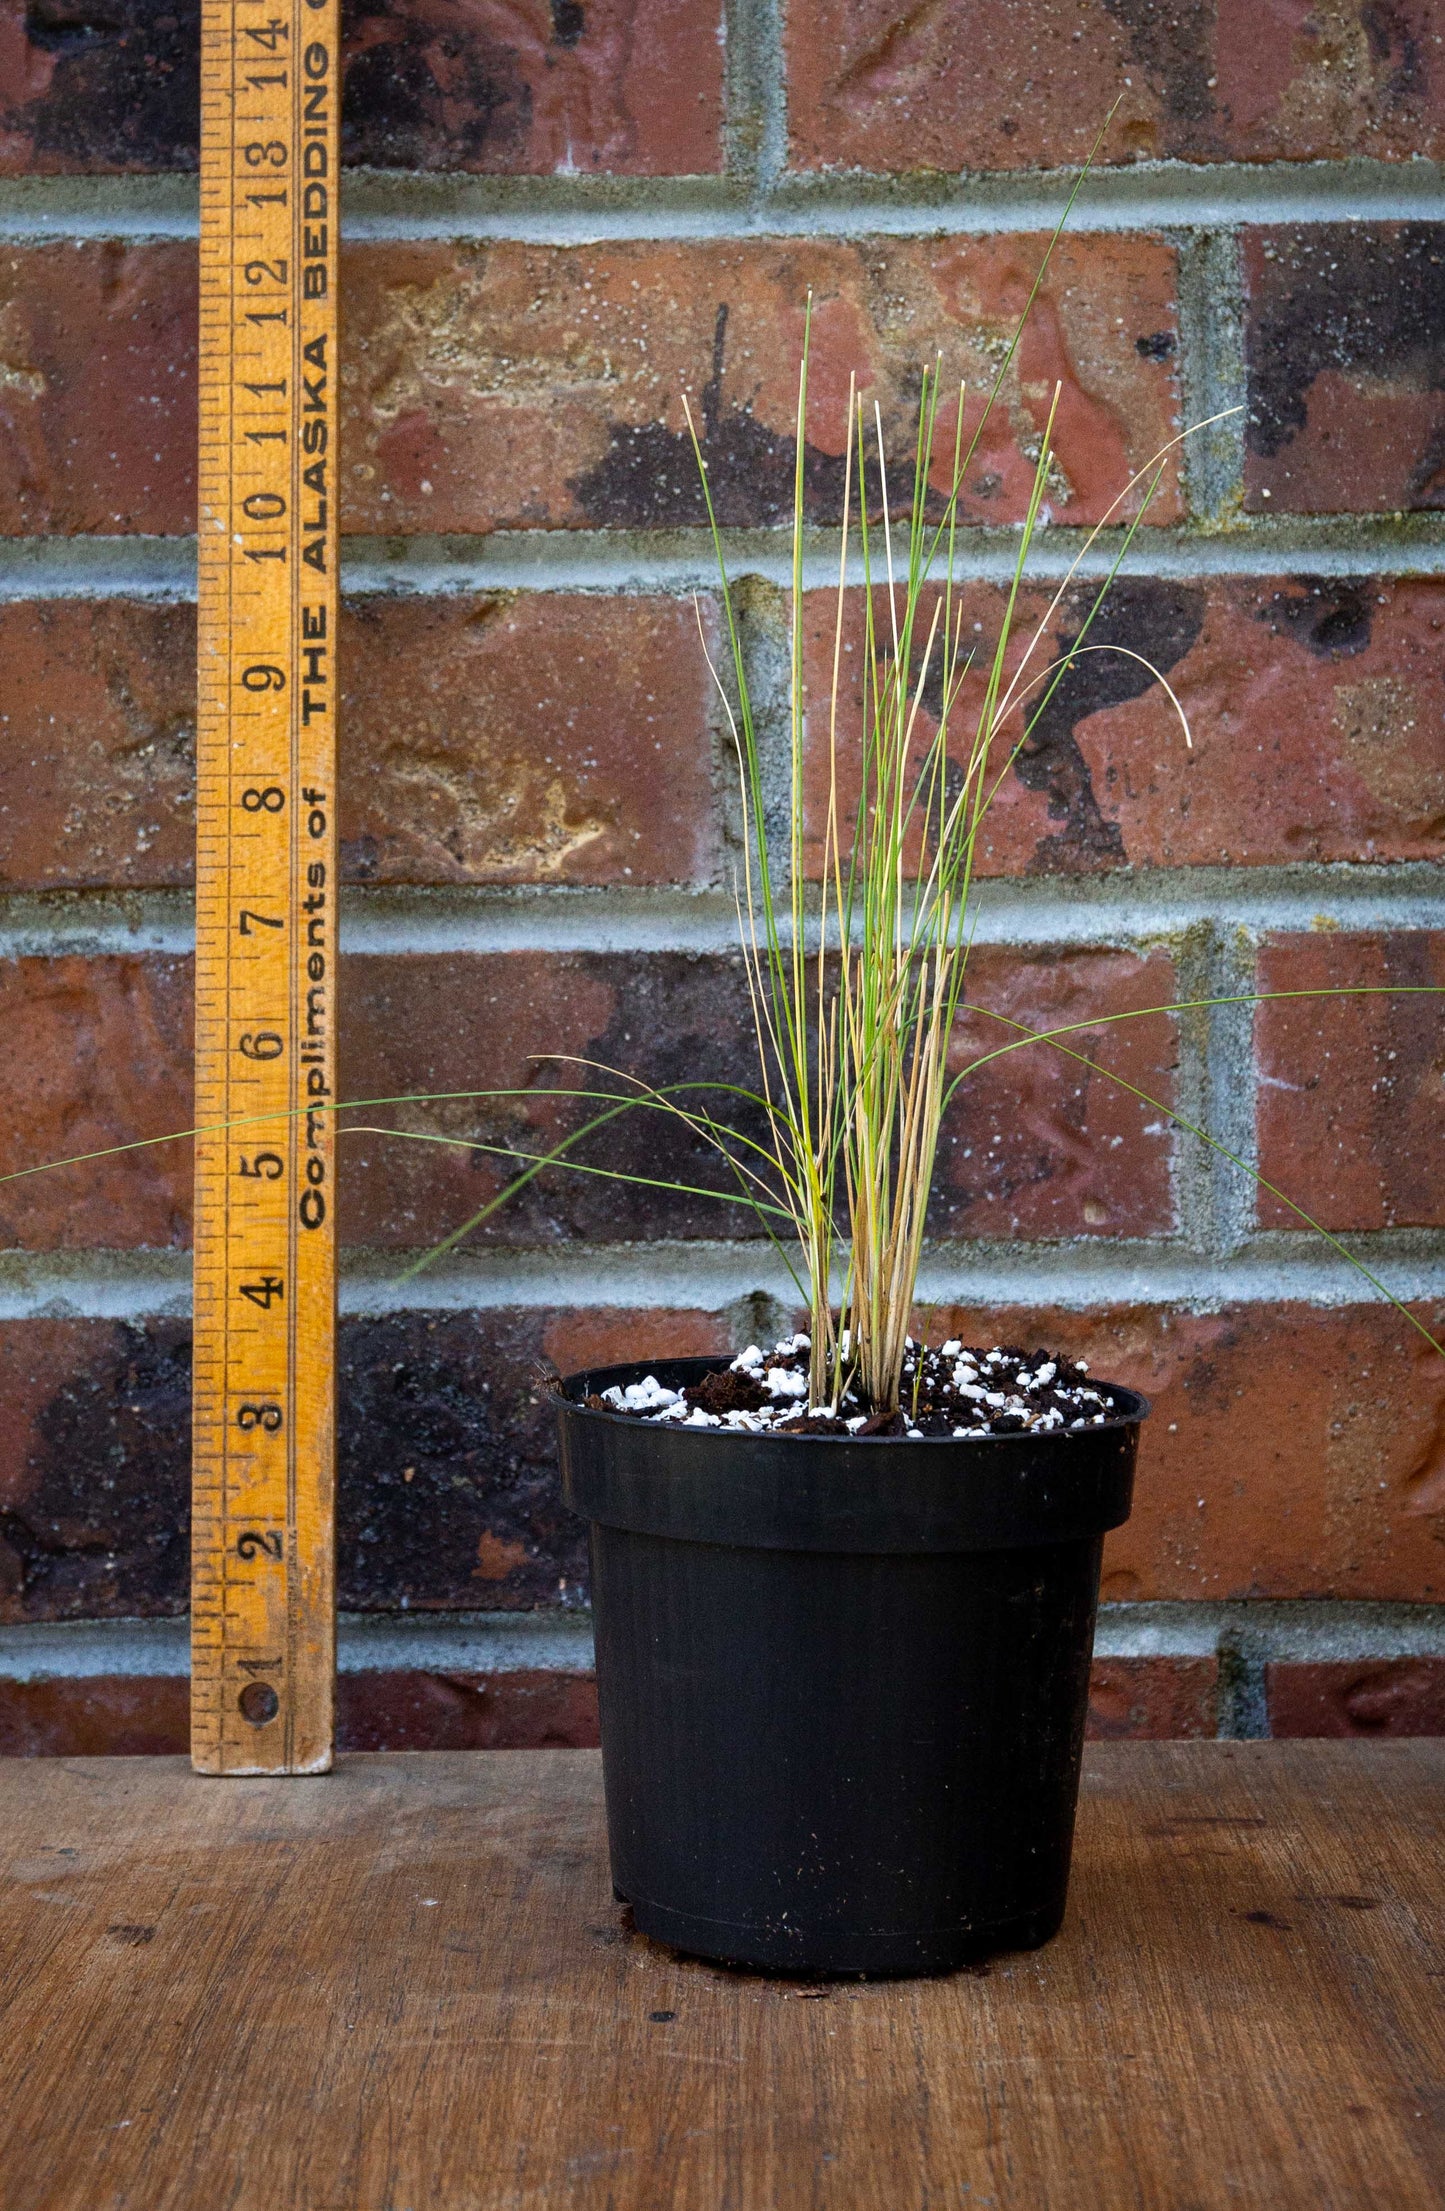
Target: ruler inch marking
[263,1541]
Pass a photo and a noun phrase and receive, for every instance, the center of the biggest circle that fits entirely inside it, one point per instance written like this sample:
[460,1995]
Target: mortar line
[773,146]
[1140,197]
[763,635]
[755,133]
[1192,1162]
[1233,1087]
[393,205]
[1215,959]
[1212,358]
[684,561]
[1243,1695]
[1132,909]
[1277,1268]
[679,563]
[1256,1631]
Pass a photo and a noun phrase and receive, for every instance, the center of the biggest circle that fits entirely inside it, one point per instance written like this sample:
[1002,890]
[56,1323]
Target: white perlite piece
[646,1396]
[972,1394]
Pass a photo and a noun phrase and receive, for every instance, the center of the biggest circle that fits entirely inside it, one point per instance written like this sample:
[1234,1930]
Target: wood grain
[406,1986]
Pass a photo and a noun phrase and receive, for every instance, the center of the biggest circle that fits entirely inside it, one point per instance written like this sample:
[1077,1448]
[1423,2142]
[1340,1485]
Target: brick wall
[561,219]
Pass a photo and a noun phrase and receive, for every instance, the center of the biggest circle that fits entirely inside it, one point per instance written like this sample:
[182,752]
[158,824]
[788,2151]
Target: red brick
[484,740]
[601,1336]
[633,87]
[1017,84]
[521,87]
[106,1060]
[98,1716]
[447,1484]
[1153,1699]
[521,386]
[1313,706]
[446,1468]
[97,389]
[431,1711]
[127,1716]
[447,1459]
[527,739]
[1296,83]
[448,1024]
[1292,1452]
[1038,1145]
[94,1469]
[1130,1699]
[1391,1696]
[1349,1088]
[97,744]
[1343,327]
[122,93]
[1035,1145]
[524,386]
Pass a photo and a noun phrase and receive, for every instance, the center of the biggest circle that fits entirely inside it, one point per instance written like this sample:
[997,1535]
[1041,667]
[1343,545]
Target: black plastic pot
[842,1682]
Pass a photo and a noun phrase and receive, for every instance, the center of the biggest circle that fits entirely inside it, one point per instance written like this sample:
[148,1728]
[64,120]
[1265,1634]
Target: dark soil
[727,1392]
[948,1390]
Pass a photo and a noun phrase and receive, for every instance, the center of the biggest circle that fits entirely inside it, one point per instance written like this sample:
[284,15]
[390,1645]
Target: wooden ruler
[263,1543]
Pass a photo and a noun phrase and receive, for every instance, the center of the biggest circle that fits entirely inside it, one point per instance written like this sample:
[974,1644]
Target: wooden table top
[406,1987]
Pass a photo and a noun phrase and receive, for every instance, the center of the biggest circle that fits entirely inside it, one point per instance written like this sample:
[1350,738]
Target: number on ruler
[264,1044]
[265,1167]
[266,1415]
[262,1293]
[254,1543]
[262,921]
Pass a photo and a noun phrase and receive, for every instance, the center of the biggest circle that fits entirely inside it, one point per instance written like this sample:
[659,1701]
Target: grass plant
[856,923]
[855,932]
[856,991]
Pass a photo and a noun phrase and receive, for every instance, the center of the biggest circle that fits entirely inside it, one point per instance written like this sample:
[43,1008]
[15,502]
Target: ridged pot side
[842,1681]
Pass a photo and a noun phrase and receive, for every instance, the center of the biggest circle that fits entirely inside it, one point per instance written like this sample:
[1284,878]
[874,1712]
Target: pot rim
[756,1491]
[574,1388]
